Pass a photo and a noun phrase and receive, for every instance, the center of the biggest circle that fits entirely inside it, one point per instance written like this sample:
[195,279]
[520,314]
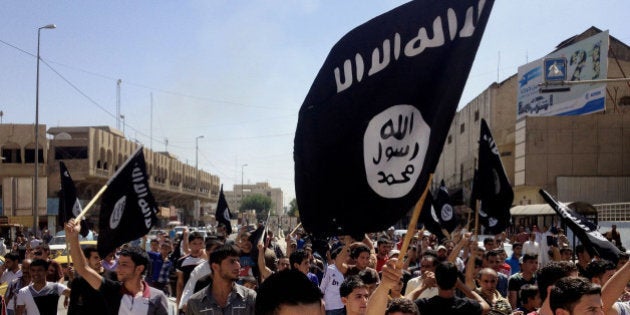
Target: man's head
[225,263]
[529,296]
[196,243]
[566,253]
[383,246]
[446,275]
[517,250]
[488,279]
[283,263]
[575,296]
[491,260]
[428,263]
[530,264]
[155,245]
[244,243]
[354,295]
[39,269]
[600,271]
[26,268]
[361,255]
[582,254]
[442,253]
[212,244]
[552,272]
[489,243]
[370,277]
[12,261]
[299,261]
[93,258]
[132,263]
[288,292]
[42,252]
[402,306]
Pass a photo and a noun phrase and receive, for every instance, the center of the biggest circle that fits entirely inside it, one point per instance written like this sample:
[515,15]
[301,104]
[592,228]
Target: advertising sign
[586,60]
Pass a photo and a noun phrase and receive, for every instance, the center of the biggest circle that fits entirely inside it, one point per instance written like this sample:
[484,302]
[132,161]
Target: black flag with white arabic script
[128,210]
[491,185]
[69,204]
[429,218]
[445,210]
[223,214]
[373,124]
[584,230]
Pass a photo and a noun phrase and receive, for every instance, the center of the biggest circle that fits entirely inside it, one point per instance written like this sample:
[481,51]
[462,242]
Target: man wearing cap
[442,253]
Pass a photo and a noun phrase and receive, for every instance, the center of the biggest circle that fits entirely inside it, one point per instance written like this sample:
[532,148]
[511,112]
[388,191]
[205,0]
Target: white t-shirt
[8,276]
[414,283]
[26,296]
[330,287]
[200,271]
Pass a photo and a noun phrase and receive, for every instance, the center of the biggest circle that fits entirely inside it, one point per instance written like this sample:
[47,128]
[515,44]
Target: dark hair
[552,272]
[357,250]
[527,257]
[568,291]
[369,276]
[526,292]
[87,251]
[195,235]
[335,252]
[297,257]
[138,255]
[434,260]
[39,263]
[12,256]
[490,253]
[349,284]
[597,268]
[446,275]
[383,240]
[403,305]
[580,249]
[223,252]
[517,244]
[211,242]
[487,240]
[287,287]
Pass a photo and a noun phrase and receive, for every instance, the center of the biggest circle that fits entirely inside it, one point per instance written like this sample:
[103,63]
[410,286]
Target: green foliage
[293,208]
[260,203]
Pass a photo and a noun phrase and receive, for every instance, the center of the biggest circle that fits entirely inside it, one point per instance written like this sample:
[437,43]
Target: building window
[624,101]
[11,155]
[508,153]
[70,153]
[477,115]
[462,128]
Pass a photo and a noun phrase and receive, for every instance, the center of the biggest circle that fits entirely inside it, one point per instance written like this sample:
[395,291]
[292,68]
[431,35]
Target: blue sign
[555,69]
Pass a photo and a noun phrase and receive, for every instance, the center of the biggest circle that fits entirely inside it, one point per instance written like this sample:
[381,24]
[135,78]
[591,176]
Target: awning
[540,209]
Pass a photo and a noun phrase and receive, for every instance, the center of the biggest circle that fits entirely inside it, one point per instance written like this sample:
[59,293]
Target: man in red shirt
[383,246]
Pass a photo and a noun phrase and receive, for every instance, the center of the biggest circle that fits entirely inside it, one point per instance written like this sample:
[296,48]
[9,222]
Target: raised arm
[262,267]
[343,256]
[377,304]
[473,295]
[80,263]
[613,289]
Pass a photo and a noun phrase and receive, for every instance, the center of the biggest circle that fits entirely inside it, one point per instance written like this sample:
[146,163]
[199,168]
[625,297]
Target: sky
[235,72]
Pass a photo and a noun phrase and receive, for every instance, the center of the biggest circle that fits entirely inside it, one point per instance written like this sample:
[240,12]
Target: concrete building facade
[239,192]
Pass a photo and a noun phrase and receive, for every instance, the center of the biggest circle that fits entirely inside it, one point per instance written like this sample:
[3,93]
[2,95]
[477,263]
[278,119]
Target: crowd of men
[339,275]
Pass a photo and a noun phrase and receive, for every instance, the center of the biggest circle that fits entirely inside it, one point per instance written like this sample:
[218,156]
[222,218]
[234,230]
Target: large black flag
[491,185]
[372,126]
[69,205]
[445,211]
[223,214]
[584,230]
[128,210]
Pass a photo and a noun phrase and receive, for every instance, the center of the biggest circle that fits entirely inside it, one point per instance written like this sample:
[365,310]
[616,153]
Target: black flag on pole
[128,210]
[373,124]
[491,185]
[69,204]
[584,230]
[223,214]
[429,218]
[446,211]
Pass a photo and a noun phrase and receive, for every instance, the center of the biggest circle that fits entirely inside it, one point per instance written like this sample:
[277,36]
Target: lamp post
[122,117]
[242,171]
[197,205]
[35,181]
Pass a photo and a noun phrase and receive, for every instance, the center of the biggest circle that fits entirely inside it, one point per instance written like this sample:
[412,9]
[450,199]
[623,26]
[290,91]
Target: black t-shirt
[515,283]
[85,300]
[451,306]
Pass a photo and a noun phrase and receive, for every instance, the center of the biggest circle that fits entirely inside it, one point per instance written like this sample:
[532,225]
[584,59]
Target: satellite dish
[63,136]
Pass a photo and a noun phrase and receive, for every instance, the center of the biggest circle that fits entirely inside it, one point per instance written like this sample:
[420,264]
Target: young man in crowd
[529,299]
[288,292]
[584,257]
[547,277]
[161,267]
[130,294]
[223,294]
[43,252]
[526,276]
[11,272]
[514,260]
[330,286]
[83,298]
[14,286]
[354,295]
[575,296]
[185,265]
[600,271]
[491,260]
[41,296]
[424,285]
[383,246]
[299,261]
[202,270]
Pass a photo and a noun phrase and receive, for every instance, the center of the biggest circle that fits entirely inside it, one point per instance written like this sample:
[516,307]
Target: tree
[260,203]
[293,208]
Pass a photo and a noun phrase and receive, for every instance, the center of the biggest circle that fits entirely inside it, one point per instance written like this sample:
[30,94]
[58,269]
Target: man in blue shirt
[517,252]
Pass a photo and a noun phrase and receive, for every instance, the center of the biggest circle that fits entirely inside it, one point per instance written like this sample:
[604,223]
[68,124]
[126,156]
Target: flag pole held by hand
[413,223]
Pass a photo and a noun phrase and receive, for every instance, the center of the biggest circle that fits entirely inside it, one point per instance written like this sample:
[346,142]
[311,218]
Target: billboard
[585,60]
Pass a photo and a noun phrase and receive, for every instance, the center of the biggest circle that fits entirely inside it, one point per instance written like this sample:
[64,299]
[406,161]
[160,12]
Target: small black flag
[584,230]
[128,210]
[223,214]
[446,211]
[69,205]
[429,218]
[373,124]
[491,185]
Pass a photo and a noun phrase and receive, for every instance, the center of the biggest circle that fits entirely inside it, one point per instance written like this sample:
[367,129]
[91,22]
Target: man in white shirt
[11,272]
[531,247]
[423,286]
[40,297]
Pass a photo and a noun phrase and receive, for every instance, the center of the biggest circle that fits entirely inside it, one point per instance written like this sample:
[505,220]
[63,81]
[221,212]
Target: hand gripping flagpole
[413,223]
[100,192]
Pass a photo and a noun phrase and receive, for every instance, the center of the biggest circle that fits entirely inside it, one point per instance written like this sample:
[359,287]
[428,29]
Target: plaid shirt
[165,271]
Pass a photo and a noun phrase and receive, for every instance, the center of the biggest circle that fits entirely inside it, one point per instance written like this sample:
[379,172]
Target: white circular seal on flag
[116,216]
[492,221]
[447,212]
[482,213]
[394,146]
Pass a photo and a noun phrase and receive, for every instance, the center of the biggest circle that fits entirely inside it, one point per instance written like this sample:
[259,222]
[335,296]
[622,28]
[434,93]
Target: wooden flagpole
[90,204]
[413,223]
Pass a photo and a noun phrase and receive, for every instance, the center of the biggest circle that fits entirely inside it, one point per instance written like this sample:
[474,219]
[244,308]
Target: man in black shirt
[446,302]
[83,298]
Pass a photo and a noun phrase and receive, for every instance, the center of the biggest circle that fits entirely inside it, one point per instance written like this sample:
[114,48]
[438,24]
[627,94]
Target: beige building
[92,155]
[235,196]
[576,158]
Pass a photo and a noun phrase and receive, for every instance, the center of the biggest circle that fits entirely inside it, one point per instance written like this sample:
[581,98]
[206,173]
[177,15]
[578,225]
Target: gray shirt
[241,301]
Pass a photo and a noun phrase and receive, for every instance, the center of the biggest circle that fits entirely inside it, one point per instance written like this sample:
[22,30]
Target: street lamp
[122,117]
[242,171]
[35,197]
[197,172]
